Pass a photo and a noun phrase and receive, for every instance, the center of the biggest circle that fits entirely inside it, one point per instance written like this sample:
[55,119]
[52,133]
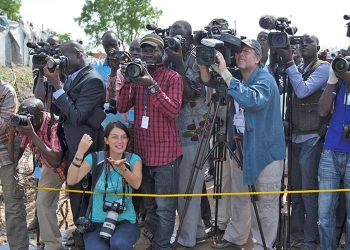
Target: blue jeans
[305,162]
[161,211]
[124,237]
[334,166]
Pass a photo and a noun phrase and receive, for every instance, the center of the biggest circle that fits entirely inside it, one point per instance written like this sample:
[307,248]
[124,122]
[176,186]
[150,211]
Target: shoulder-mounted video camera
[21,118]
[40,51]
[214,38]
[284,32]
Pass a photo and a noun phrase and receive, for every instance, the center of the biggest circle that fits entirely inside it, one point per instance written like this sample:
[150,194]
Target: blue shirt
[317,80]
[263,140]
[114,185]
[104,70]
[334,139]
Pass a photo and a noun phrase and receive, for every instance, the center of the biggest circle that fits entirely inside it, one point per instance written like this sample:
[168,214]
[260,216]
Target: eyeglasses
[245,51]
[149,51]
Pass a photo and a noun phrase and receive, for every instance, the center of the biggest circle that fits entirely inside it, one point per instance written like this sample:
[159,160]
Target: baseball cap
[254,44]
[153,40]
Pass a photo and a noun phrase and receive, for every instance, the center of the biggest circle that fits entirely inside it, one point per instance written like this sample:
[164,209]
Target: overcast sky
[324,20]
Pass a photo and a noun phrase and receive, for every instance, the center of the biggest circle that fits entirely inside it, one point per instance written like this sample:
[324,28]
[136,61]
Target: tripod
[219,149]
[283,233]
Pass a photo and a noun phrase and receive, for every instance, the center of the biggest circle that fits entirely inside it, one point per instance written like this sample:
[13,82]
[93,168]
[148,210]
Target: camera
[108,227]
[116,55]
[62,61]
[112,108]
[134,69]
[175,42]
[340,64]
[215,38]
[40,51]
[280,39]
[84,225]
[331,55]
[21,118]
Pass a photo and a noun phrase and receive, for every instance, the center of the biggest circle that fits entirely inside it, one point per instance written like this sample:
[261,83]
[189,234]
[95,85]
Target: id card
[238,121]
[144,123]
[37,173]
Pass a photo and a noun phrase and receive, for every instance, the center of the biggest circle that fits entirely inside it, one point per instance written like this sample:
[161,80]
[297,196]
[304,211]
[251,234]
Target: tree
[64,37]
[127,18]
[11,8]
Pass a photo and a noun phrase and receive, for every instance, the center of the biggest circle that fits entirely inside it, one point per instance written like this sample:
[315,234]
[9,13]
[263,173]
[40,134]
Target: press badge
[144,123]
[238,121]
[37,173]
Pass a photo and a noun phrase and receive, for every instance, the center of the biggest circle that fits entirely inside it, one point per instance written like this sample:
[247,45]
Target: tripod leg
[254,199]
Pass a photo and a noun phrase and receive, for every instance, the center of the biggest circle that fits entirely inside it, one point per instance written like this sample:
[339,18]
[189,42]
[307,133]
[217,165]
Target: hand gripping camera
[108,227]
[21,118]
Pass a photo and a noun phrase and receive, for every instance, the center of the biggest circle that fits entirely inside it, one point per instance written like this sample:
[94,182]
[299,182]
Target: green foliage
[64,37]
[11,8]
[127,18]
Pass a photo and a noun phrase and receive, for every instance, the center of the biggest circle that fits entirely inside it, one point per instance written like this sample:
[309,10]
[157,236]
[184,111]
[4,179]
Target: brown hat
[254,44]
[153,40]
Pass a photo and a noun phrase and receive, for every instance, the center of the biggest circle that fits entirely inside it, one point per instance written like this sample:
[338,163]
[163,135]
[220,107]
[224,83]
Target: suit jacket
[83,97]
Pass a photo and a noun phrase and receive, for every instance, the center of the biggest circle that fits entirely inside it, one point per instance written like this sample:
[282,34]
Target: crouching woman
[117,172]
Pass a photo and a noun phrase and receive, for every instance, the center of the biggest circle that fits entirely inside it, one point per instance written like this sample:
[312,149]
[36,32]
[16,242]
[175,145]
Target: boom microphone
[346,17]
[267,22]
[32,45]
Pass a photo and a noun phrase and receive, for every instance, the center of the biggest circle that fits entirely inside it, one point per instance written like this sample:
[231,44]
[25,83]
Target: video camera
[40,51]
[21,118]
[213,38]
[280,39]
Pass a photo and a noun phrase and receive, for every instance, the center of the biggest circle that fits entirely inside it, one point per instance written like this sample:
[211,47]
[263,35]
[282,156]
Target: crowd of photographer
[165,95]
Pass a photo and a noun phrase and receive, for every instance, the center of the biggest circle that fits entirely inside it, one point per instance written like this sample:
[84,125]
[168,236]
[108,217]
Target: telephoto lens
[340,64]
[109,224]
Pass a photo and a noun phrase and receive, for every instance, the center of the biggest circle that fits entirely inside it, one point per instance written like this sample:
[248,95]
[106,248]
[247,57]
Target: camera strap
[124,183]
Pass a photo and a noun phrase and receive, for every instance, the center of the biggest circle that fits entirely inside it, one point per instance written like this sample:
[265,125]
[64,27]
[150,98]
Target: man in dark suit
[80,100]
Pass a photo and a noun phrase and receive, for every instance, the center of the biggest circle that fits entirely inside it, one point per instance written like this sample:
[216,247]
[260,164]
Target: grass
[21,78]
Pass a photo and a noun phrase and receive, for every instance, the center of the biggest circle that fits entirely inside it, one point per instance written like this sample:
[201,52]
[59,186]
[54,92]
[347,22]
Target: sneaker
[221,243]
[209,177]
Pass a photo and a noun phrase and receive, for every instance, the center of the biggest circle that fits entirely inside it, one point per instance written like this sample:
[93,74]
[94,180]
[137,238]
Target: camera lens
[134,70]
[207,55]
[52,63]
[173,43]
[340,65]
[19,120]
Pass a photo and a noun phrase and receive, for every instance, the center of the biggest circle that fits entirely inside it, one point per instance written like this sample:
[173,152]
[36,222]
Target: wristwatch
[153,88]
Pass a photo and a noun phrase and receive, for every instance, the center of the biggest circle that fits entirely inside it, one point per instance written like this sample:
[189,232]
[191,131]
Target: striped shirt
[54,144]
[8,107]
[160,143]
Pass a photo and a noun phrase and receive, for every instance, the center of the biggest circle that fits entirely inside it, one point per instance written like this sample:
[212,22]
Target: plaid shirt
[8,107]
[160,143]
[54,144]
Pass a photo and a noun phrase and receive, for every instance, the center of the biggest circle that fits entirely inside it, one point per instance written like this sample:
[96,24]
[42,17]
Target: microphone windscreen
[32,45]
[267,22]
[151,27]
